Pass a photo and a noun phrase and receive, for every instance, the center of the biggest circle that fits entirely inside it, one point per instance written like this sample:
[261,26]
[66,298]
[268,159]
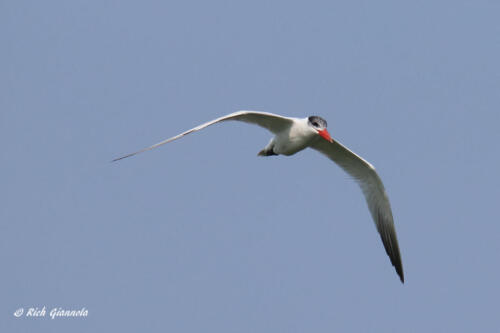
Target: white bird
[295,134]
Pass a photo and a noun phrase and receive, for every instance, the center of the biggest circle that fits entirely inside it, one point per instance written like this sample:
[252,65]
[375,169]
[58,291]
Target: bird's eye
[315,124]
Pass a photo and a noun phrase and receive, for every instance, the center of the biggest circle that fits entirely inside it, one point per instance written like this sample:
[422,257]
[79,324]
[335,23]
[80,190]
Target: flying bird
[292,135]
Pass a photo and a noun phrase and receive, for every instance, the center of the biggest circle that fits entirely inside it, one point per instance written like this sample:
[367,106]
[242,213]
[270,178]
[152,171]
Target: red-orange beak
[325,135]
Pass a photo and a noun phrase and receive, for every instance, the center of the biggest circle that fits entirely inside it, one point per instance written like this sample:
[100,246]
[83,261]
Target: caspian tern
[295,134]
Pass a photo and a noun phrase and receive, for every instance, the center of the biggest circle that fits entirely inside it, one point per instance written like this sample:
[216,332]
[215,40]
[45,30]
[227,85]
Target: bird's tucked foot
[267,152]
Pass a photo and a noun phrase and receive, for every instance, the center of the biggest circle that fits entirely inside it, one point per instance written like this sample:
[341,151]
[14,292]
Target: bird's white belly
[291,141]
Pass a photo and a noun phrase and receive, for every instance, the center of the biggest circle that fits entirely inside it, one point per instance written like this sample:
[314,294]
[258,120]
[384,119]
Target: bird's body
[292,135]
[292,139]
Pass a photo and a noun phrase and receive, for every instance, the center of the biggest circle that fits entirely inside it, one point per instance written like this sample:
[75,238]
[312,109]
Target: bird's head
[319,125]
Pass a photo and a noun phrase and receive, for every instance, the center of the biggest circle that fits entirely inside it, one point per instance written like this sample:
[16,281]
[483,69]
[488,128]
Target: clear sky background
[202,235]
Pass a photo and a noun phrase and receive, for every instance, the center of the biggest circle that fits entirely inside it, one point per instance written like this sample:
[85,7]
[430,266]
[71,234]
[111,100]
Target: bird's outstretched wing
[273,122]
[373,189]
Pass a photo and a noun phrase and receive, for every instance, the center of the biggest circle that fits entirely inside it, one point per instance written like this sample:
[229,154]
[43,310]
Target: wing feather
[373,189]
[272,122]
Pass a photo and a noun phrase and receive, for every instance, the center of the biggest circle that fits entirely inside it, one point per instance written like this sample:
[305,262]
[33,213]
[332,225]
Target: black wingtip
[121,158]
[401,274]
[395,257]
[390,241]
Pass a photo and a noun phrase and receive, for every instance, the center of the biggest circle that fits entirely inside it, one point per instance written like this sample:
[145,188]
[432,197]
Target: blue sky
[201,234]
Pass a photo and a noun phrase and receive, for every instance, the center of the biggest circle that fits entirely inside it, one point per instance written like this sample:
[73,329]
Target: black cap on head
[317,121]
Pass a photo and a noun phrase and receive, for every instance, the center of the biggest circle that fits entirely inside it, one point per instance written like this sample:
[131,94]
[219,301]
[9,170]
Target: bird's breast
[292,140]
